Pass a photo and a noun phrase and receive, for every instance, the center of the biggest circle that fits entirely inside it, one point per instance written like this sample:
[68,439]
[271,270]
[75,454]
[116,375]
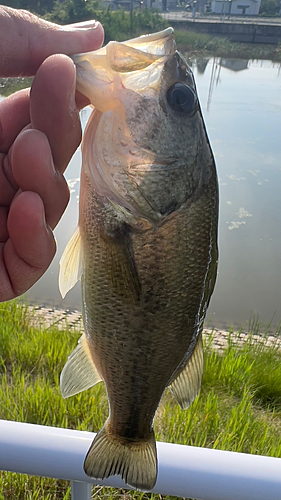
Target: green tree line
[39,7]
[118,25]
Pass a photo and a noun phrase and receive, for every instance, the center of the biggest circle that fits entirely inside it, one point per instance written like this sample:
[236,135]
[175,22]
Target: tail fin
[134,461]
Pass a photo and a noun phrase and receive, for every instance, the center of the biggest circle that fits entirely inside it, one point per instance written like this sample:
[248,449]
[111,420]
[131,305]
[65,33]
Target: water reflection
[242,113]
[217,64]
[241,103]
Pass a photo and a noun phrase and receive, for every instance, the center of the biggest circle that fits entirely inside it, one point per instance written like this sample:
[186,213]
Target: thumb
[26,40]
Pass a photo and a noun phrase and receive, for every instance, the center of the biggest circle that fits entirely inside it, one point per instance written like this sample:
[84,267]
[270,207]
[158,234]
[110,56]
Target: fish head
[142,147]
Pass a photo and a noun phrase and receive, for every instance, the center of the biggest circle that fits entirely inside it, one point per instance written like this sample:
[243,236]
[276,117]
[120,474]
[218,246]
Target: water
[241,104]
[242,110]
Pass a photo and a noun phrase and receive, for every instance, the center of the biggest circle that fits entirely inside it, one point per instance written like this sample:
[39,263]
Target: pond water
[241,104]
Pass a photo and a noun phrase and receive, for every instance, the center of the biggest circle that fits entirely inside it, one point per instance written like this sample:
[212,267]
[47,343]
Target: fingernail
[92,24]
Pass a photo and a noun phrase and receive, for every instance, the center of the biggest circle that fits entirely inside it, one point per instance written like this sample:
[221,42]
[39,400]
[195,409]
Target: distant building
[242,7]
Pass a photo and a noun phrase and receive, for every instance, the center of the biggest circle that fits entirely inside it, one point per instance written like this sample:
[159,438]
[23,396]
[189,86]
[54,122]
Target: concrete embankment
[48,316]
[251,31]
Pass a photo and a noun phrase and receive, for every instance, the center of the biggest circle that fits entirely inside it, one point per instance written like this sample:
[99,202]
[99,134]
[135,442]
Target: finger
[30,249]
[33,170]
[53,109]
[3,224]
[8,186]
[14,116]
[26,40]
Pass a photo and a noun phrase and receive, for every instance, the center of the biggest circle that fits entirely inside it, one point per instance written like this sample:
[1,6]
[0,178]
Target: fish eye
[181,98]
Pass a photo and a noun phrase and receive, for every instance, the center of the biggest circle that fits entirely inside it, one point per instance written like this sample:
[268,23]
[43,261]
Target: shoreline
[46,317]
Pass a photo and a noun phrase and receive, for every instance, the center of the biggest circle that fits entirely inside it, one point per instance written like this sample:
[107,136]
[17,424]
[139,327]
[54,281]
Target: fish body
[146,246]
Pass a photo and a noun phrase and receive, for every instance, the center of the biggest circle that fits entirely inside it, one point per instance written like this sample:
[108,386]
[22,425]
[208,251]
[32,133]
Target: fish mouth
[160,43]
[132,65]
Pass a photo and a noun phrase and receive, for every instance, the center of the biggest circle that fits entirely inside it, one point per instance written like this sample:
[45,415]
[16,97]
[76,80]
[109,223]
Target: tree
[270,7]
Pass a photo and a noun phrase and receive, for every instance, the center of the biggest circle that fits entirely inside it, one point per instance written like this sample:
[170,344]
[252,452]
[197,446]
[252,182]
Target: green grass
[239,407]
[201,44]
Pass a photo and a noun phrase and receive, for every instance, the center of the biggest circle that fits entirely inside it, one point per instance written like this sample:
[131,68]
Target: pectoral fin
[79,372]
[120,265]
[186,386]
[70,264]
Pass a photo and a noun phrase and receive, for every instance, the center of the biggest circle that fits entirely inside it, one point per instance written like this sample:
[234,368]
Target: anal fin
[135,461]
[186,386]
[79,372]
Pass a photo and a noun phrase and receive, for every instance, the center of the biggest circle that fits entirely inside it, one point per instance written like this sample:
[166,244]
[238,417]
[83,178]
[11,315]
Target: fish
[145,247]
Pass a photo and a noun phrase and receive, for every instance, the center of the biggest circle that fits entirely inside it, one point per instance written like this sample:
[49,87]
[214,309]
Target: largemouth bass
[145,247]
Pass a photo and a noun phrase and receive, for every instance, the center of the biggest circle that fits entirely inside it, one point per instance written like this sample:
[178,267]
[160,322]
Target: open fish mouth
[135,64]
[161,43]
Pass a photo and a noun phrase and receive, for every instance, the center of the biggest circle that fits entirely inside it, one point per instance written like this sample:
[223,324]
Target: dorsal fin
[186,386]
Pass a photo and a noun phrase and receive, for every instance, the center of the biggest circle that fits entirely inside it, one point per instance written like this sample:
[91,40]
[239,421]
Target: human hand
[39,132]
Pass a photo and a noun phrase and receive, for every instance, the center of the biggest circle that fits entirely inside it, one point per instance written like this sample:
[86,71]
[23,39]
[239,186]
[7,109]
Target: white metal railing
[184,471]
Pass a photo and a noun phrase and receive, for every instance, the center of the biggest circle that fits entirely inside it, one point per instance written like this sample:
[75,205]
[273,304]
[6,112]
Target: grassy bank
[239,407]
[200,45]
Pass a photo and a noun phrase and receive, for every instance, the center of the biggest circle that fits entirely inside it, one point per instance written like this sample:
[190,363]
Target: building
[236,7]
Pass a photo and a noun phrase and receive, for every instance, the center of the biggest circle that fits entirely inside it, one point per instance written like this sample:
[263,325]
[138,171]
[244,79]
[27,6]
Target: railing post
[81,491]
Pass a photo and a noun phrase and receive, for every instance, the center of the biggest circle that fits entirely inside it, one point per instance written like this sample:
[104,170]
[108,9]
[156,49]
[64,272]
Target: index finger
[53,110]
[27,40]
